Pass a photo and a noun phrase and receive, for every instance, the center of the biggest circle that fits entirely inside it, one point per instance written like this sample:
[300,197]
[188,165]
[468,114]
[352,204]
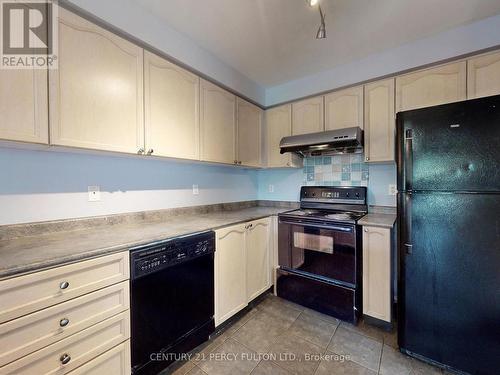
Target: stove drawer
[337,301]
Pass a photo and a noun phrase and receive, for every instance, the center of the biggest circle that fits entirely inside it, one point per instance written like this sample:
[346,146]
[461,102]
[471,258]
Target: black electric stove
[319,251]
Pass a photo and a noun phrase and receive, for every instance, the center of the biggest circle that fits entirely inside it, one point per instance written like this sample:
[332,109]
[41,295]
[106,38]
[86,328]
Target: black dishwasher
[172,299]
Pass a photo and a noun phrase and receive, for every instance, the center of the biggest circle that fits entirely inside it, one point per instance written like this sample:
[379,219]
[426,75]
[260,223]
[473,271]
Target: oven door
[318,249]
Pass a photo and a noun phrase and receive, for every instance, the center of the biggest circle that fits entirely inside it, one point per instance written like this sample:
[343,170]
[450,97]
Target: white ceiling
[273,41]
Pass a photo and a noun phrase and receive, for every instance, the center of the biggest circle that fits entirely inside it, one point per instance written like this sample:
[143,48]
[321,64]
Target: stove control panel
[357,194]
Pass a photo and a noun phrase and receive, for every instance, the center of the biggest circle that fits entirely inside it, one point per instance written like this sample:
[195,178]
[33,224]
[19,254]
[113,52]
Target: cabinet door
[379,121]
[278,125]
[483,75]
[23,106]
[307,116]
[96,95]
[230,272]
[217,123]
[171,109]
[249,133]
[344,108]
[258,263]
[377,273]
[425,88]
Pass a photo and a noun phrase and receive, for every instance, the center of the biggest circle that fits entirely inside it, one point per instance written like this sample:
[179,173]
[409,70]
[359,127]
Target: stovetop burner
[333,204]
[330,215]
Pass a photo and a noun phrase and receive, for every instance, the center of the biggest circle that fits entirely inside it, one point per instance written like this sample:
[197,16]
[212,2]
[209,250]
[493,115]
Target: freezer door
[451,147]
[449,289]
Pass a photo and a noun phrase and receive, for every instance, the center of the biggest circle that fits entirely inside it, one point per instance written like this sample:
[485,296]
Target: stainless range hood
[331,142]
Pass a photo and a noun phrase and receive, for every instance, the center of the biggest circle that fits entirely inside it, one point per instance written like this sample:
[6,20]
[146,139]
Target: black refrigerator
[448,160]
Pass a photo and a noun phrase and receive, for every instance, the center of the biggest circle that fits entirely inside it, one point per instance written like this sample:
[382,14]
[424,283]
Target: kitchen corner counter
[41,251]
[384,220]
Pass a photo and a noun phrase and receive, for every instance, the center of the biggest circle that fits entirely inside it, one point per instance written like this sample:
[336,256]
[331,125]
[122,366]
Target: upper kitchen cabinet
[379,121]
[483,75]
[23,106]
[279,125]
[96,95]
[307,116]
[425,88]
[217,124]
[249,133]
[171,109]
[344,108]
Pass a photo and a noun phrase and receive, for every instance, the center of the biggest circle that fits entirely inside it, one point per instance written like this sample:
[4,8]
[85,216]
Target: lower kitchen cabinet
[242,266]
[377,273]
[115,361]
[230,272]
[258,257]
[69,319]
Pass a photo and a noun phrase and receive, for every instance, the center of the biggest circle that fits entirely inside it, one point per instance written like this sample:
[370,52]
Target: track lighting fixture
[321,33]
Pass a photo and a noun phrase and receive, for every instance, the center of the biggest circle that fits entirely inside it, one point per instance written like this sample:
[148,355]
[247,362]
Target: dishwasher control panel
[151,258]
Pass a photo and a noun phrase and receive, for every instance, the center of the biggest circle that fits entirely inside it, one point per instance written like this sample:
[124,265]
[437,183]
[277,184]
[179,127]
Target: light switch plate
[392,189]
[196,190]
[94,193]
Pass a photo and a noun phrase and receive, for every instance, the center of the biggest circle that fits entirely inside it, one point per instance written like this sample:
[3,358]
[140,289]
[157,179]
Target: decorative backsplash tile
[338,170]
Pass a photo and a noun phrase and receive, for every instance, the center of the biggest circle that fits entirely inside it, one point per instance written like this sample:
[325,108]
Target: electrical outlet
[94,193]
[392,189]
[196,190]
[271,188]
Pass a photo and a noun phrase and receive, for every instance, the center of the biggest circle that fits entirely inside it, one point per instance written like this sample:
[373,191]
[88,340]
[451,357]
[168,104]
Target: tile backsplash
[337,170]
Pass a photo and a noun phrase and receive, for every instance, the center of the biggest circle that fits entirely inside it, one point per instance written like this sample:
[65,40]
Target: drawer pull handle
[64,322]
[65,358]
[64,285]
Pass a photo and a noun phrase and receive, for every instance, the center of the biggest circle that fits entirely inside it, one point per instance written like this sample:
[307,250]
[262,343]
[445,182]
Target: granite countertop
[384,220]
[36,252]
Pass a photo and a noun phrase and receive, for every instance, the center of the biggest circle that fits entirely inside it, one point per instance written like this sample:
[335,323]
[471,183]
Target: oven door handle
[314,225]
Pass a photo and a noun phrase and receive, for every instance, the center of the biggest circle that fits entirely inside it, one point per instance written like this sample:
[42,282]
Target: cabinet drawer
[114,362]
[79,348]
[25,335]
[25,294]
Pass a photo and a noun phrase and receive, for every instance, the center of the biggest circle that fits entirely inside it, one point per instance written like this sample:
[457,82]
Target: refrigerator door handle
[407,239]
[408,165]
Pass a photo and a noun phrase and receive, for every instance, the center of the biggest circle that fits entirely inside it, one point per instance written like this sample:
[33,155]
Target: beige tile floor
[277,337]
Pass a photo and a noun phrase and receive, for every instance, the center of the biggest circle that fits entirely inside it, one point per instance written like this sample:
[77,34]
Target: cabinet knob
[140,151]
[65,358]
[64,322]
[239,162]
[150,151]
[64,285]
[366,229]
[367,158]
[235,162]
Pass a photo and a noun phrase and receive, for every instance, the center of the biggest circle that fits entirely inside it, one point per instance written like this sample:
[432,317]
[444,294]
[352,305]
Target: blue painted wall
[42,185]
